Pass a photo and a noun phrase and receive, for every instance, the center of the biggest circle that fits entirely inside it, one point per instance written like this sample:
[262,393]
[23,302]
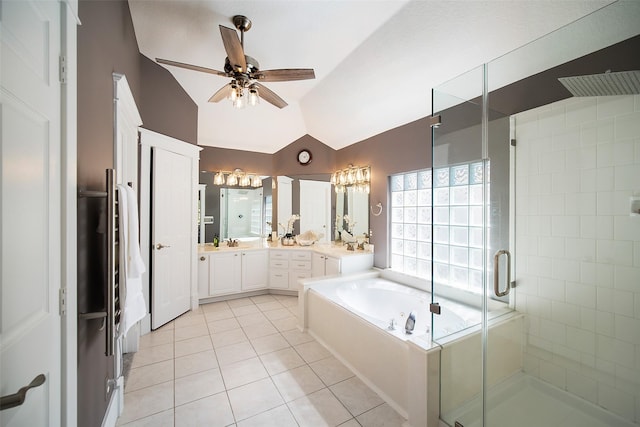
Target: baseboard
[116,404]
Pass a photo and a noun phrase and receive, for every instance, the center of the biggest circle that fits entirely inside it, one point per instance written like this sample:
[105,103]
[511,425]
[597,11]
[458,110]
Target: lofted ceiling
[375,61]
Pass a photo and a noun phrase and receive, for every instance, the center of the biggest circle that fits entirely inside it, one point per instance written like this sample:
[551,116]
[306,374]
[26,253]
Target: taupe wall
[403,149]
[107,44]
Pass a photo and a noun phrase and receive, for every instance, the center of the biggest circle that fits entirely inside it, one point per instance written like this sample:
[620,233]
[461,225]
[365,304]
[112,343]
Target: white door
[171,236]
[30,180]
[315,208]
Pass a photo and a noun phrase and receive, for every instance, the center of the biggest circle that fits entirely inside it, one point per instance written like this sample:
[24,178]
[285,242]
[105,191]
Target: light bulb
[232,180]
[359,177]
[343,178]
[218,179]
[256,181]
[233,94]
[254,98]
[239,102]
[351,177]
[367,174]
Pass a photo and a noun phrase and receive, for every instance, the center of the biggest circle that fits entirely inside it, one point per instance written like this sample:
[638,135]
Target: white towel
[131,265]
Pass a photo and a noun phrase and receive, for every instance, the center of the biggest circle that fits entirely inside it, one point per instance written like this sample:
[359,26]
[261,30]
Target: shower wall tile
[623,152]
[627,126]
[616,401]
[612,106]
[583,111]
[626,177]
[578,250]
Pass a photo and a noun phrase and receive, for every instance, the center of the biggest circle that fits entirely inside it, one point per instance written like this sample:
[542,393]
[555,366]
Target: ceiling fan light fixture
[254,96]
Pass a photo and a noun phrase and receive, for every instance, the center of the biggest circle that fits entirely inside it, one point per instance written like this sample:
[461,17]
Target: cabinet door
[203,276]
[255,269]
[317,265]
[331,266]
[296,275]
[224,273]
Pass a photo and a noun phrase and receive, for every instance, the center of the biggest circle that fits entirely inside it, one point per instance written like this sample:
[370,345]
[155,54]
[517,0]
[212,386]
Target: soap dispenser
[216,241]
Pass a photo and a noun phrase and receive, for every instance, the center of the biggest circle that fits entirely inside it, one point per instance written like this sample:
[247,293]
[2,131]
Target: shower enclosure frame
[482,93]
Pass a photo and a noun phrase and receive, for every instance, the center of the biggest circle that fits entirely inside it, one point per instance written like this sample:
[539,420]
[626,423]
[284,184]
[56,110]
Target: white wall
[578,249]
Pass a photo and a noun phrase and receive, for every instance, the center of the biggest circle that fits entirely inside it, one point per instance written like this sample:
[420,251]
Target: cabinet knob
[202,258]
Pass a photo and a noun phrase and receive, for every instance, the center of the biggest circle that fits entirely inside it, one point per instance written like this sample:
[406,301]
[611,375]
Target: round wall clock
[304,157]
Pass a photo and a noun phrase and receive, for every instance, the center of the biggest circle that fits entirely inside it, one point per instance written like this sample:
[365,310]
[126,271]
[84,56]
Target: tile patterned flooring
[244,363]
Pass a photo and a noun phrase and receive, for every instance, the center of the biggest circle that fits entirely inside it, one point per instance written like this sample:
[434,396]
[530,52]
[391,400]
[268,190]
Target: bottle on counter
[216,241]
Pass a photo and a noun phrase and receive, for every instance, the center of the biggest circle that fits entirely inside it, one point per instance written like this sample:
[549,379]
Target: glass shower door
[471,249]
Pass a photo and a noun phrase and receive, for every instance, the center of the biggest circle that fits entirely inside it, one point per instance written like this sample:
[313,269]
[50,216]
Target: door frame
[70,21]
[149,140]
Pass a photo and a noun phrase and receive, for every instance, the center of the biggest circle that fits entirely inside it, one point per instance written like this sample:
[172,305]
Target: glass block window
[436,219]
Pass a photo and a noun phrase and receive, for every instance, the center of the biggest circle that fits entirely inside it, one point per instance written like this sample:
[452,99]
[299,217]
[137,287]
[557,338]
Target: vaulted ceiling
[375,61]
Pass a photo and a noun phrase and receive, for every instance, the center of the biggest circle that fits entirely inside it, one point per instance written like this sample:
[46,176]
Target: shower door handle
[496,273]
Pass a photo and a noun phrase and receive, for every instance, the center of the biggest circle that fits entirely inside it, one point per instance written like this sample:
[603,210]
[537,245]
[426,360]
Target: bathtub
[351,315]
[379,301]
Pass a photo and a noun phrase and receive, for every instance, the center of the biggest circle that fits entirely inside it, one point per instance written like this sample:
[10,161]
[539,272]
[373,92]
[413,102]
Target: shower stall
[536,219]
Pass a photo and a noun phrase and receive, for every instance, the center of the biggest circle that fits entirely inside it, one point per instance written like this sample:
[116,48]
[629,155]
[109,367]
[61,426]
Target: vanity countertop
[324,248]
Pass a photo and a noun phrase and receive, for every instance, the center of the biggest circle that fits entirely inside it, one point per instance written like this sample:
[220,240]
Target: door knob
[161,246]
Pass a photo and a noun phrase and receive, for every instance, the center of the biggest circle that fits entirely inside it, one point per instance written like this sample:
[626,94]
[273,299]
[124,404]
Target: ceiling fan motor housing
[252,66]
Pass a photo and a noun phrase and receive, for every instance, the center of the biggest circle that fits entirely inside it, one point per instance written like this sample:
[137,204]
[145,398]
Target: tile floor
[244,363]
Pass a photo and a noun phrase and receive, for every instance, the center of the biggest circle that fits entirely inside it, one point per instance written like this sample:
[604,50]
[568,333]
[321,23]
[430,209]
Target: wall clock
[304,157]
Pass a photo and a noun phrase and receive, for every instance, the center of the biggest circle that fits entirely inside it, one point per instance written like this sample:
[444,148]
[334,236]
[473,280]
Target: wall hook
[379,206]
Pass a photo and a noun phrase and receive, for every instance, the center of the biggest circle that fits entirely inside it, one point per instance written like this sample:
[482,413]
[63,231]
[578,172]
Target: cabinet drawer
[300,265]
[294,276]
[278,254]
[279,279]
[301,256]
[278,263]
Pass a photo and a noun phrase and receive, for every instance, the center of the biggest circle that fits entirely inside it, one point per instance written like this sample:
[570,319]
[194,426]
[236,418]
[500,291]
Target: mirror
[306,197]
[352,212]
[234,212]
[245,213]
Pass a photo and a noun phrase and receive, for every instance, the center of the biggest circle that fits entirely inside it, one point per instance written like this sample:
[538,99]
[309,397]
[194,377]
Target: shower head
[606,84]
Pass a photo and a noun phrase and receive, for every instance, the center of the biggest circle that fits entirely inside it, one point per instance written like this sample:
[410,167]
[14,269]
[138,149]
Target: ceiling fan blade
[284,75]
[220,94]
[234,49]
[270,96]
[190,67]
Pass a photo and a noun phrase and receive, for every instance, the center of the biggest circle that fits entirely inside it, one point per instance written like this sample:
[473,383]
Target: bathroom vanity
[225,272]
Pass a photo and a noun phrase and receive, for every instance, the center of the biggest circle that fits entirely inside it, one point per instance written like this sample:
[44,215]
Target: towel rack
[112,313]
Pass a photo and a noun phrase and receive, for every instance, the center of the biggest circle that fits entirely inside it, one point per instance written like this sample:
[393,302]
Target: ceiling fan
[244,71]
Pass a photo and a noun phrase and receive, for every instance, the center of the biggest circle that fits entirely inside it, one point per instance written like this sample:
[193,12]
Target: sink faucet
[232,243]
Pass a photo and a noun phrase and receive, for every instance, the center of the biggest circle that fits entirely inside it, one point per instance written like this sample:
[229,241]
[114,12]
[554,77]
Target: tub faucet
[411,323]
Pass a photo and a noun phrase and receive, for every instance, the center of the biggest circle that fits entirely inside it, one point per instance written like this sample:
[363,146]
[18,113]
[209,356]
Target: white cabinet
[228,271]
[286,267]
[325,265]
[254,269]
[224,273]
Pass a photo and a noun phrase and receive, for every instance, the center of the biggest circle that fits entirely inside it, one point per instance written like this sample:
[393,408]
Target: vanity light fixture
[358,177]
[237,177]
